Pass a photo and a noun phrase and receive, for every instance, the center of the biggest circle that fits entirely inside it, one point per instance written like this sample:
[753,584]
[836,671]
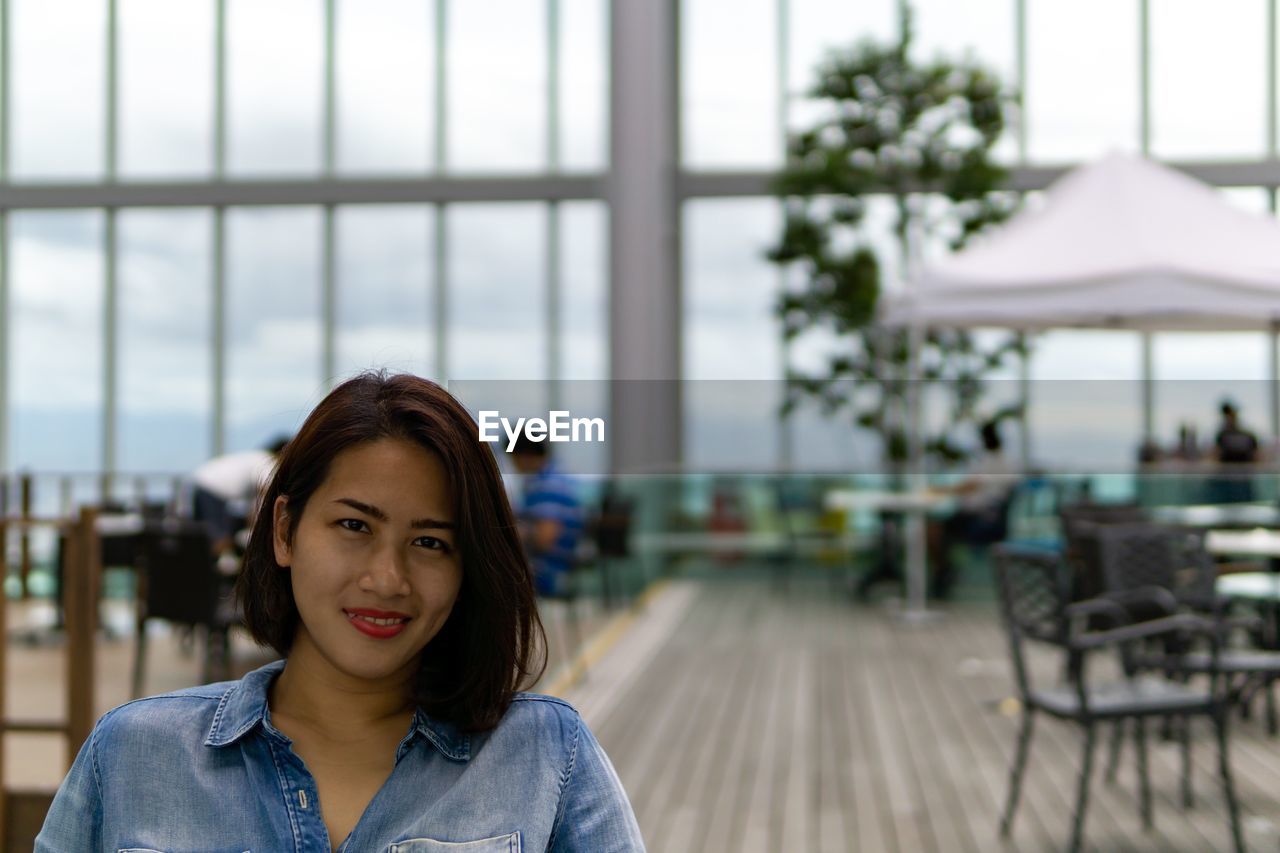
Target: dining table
[914,504]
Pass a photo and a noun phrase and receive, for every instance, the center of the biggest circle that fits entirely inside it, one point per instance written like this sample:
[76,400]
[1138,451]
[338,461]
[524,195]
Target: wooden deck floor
[742,718]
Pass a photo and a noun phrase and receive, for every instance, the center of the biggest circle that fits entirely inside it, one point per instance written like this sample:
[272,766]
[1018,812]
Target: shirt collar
[244,706]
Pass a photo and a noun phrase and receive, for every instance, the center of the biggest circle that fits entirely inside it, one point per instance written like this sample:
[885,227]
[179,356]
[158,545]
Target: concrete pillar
[644,305]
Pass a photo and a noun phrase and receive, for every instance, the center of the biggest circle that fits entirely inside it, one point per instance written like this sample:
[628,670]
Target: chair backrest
[1034,592]
[1153,555]
[178,572]
[612,527]
[1080,526]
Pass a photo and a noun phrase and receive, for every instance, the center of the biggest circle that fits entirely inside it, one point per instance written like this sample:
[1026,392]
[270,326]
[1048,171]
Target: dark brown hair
[493,643]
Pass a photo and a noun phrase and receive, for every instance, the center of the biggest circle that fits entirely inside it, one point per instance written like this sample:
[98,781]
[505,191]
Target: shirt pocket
[497,844]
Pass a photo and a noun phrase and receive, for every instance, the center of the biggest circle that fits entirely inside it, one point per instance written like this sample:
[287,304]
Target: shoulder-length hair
[493,642]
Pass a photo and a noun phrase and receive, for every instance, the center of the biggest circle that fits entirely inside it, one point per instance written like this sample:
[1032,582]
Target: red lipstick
[388,623]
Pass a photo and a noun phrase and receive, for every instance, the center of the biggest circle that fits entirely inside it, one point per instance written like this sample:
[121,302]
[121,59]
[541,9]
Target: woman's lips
[378,624]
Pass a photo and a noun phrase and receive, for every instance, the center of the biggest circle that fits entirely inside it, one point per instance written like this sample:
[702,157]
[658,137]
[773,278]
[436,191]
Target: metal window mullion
[111,140]
[555,367]
[1020,51]
[220,90]
[786,428]
[441,290]
[218,285]
[553,85]
[441,90]
[110,348]
[110,293]
[329,283]
[6,44]
[439,236]
[330,107]
[329,300]
[5,314]
[1146,339]
[1271,84]
[218,334]
[1144,76]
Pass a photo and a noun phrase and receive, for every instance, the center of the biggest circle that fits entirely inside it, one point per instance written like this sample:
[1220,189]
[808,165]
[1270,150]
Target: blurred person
[550,514]
[1234,448]
[982,502]
[384,567]
[225,489]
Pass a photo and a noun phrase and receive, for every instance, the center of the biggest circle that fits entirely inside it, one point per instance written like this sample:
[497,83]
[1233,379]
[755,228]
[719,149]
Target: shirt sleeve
[595,815]
[74,821]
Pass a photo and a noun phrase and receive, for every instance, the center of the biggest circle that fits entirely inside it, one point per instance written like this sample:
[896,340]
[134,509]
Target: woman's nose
[386,575]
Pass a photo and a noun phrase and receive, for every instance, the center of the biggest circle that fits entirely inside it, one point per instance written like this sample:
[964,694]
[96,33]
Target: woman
[385,568]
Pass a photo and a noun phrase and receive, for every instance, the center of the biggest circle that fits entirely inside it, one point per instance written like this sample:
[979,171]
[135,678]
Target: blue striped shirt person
[551,516]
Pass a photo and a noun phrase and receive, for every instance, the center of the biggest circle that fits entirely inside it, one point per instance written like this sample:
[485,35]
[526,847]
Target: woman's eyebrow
[416,524]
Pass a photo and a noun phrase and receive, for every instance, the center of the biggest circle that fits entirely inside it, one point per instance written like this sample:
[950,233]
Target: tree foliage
[918,136]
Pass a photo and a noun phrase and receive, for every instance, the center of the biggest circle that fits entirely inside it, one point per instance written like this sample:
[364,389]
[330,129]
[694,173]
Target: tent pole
[1148,389]
[1024,403]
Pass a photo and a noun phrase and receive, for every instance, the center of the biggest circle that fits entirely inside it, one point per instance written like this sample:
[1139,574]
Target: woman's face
[374,561]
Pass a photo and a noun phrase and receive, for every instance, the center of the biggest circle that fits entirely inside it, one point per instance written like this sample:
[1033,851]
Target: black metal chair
[1174,559]
[611,535]
[178,581]
[1034,588]
[1080,524]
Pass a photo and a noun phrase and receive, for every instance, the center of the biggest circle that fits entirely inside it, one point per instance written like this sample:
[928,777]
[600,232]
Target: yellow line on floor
[602,642]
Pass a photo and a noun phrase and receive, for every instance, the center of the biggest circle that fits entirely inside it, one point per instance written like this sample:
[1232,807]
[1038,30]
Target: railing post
[80,600]
[24,534]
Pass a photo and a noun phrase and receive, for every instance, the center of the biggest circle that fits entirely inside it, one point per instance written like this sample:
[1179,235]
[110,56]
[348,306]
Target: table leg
[917,569]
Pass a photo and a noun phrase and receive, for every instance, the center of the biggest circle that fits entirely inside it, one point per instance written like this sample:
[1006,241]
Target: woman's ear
[280,532]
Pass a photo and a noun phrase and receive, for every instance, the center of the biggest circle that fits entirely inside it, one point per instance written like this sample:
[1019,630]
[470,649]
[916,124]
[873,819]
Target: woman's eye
[433,544]
[353,524]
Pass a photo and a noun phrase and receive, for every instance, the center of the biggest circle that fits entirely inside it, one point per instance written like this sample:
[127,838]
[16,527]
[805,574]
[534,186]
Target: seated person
[550,514]
[224,490]
[384,569]
[979,518]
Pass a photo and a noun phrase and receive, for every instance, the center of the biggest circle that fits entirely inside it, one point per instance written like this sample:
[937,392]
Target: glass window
[731,333]
[978,31]
[164,286]
[275,86]
[584,297]
[166,88]
[59,81]
[729,90]
[497,82]
[1085,400]
[814,29]
[584,84]
[386,85]
[1198,371]
[385,304]
[56,323]
[273,322]
[1252,199]
[1078,108]
[497,298]
[1208,80]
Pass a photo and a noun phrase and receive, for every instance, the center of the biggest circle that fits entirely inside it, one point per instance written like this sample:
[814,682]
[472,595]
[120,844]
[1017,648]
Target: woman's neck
[310,692]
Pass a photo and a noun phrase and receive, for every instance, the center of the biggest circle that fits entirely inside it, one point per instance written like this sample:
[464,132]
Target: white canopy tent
[1122,243]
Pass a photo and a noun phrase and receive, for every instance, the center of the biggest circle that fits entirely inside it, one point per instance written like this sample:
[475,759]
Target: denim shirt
[204,770]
